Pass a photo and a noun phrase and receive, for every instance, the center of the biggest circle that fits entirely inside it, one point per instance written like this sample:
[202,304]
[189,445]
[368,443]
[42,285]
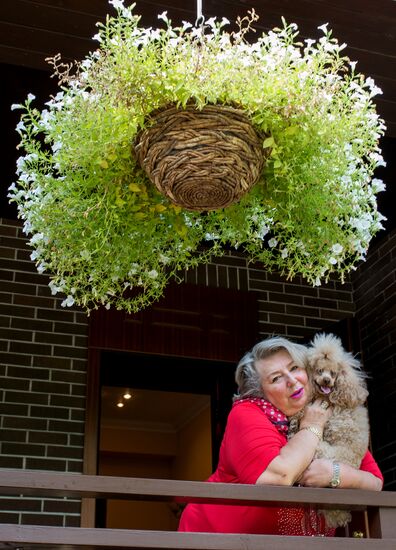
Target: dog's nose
[326,381]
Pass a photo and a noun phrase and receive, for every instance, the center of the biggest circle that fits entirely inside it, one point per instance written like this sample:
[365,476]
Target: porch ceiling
[31,30]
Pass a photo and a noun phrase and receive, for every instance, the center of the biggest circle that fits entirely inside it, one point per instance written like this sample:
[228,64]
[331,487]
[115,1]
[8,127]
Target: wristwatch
[336,479]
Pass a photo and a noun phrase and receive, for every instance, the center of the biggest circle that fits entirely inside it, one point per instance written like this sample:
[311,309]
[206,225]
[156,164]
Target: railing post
[382,522]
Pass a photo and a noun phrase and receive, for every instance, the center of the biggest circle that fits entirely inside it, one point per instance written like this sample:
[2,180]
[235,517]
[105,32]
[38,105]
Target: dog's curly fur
[336,376]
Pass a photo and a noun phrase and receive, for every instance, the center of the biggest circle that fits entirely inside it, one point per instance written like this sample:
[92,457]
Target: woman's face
[284,383]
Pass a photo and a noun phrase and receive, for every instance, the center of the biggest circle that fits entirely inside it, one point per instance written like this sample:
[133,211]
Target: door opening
[160,417]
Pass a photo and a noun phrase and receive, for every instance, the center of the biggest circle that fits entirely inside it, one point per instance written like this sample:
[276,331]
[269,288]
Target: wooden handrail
[380,506]
[164,490]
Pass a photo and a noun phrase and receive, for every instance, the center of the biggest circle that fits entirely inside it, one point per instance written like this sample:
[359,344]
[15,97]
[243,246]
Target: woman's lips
[297,394]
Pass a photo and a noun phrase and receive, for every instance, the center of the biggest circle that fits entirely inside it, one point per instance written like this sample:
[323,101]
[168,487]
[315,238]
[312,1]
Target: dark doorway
[160,417]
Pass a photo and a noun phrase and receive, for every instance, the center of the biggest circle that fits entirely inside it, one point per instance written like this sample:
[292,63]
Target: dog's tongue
[325,389]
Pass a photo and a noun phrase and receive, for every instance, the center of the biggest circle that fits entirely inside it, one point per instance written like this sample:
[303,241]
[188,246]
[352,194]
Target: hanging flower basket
[201,160]
[164,147]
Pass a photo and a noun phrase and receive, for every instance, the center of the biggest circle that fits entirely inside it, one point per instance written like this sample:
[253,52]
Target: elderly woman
[273,385]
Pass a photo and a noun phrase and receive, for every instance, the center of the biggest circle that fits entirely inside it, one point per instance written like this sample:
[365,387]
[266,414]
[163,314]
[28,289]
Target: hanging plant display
[165,145]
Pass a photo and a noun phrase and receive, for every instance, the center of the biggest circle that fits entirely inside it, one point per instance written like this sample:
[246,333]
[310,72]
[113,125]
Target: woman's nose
[291,380]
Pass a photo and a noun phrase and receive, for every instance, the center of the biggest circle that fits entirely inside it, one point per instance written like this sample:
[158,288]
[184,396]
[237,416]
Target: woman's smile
[297,394]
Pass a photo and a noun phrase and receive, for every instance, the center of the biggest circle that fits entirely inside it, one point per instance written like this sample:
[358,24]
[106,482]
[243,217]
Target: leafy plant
[104,233]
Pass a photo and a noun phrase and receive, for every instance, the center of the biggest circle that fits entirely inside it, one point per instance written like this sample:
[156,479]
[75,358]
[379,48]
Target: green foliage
[105,234]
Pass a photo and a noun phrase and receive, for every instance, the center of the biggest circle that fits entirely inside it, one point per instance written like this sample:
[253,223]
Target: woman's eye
[294,367]
[276,379]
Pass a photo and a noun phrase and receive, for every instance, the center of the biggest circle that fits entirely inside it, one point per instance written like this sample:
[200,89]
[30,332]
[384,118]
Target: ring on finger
[324,405]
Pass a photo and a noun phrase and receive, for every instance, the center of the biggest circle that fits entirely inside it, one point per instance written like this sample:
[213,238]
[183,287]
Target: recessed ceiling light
[127,395]
[120,404]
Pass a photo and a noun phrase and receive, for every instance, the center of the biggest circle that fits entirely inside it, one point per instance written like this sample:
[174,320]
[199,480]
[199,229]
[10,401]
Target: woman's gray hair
[246,375]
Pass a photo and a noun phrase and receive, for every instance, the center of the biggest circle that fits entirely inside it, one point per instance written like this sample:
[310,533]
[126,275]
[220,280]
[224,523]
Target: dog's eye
[332,373]
[320,371]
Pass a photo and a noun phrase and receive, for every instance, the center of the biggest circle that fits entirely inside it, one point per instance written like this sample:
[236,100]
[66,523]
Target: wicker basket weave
[201,160]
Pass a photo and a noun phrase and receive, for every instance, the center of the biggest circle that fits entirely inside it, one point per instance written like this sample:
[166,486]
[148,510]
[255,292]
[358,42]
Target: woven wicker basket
[201,160]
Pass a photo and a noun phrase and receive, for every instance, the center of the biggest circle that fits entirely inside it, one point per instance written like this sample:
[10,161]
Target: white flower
[377,185]
[284,253]
[119,6]
[31,97]
[272,242]
[56,146]
[374,89]
[153,274]
[37,237]
[163,16]
[337,249]
[163,259]
[54,289]
[211,236]
[20,126]
[15,106]
[333,261]
[68,302]
[12,188]
[323,28]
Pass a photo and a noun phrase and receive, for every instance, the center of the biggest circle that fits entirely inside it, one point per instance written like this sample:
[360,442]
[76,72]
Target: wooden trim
[91,441]
[81,538]
[382,522]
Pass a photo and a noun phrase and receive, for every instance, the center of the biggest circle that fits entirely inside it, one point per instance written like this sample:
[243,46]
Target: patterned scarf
[278,419]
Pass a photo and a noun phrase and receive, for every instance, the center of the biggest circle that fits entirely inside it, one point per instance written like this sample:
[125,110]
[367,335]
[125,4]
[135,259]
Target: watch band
[336,479]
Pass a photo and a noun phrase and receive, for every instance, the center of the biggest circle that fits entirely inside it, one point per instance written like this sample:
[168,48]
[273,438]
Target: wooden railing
[380,507]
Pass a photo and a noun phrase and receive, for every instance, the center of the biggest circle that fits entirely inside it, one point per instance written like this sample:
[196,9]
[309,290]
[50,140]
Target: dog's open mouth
[326,390]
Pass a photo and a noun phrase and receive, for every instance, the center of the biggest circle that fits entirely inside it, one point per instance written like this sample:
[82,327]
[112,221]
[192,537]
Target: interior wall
[182,454]
[193,460]
[121,514]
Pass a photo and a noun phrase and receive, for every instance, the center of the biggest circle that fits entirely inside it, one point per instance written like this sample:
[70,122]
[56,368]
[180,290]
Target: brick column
[43,356]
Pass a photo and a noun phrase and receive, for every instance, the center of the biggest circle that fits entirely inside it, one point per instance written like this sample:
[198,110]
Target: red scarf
[278,419]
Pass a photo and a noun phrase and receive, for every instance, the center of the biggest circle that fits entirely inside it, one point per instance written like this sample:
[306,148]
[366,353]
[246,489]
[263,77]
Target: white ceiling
[150,409]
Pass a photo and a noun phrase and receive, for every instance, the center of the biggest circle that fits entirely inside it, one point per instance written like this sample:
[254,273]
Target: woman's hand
[318,473]
[316,414]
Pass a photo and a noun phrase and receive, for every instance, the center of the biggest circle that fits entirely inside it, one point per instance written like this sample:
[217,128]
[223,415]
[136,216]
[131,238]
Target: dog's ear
[350,390]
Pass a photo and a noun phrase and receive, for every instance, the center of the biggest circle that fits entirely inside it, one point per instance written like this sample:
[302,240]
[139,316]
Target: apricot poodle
[336,377]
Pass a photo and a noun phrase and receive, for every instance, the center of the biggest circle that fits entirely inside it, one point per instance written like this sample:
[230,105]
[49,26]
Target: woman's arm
[298,453]
[319,474]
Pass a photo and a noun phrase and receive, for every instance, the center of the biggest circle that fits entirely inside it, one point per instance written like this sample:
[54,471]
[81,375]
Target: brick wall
[291,308]
[375,291]
[43,358]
